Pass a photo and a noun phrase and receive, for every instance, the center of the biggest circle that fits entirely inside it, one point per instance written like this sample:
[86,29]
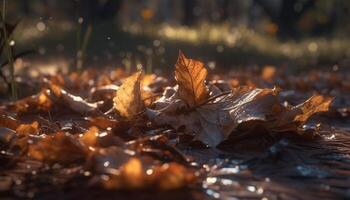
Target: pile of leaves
[115,132]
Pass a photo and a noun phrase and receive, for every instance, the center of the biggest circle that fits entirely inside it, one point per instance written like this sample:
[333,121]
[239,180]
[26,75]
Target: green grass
[9,52]
[110,45]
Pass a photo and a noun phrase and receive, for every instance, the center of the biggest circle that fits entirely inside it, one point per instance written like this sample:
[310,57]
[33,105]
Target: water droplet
[42,50]
[251,188]
[213,193]
[18,181]
[149,172]
[220,49]
[12,43]
[311,171]
[212,65]
[41,26]
[211,180]
[230,170]
[106,164]
[156,43]
[87,173]
[139,66]
[260,190]
[312,47]
[226,181]
[80,20]
[335,68]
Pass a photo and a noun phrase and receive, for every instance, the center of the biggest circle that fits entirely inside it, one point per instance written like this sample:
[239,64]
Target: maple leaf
[190,75]
[214,122]
[128,101]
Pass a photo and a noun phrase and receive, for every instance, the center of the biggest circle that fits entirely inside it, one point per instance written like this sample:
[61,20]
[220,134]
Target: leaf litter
[215,137]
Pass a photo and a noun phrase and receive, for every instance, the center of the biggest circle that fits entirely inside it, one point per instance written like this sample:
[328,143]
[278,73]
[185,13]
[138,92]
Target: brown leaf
[60,147]
[28,129]
[190,75]
[243,108]
[313,105]
[9,122]
[75,103]
[128,101]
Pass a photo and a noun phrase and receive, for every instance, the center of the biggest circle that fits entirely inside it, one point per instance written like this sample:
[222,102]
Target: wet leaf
[128,101]
[60,147]
[313,105]
[6,136]
[214,122]
[190,75]
[89,138]
[28,129]
[74,102]
[8,122]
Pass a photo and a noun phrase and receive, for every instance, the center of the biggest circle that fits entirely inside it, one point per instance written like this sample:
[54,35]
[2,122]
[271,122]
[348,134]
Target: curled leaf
[313,105]
[28,129]
[242,109]
[128,101]
[76,103]
[190,75]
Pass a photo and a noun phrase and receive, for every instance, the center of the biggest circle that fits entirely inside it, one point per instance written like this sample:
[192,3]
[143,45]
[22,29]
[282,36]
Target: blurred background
[75,34]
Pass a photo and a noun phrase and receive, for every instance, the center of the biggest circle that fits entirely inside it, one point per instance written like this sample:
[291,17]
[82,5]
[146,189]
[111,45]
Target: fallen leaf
[76,103]
[8,122]
[311,106]
[128,101]
[60,147]
[6,136]
[133,174]
[213,122]
[190,75]
[28,129]
[89,138]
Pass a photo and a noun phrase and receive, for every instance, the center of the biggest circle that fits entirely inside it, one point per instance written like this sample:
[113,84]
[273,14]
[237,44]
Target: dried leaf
[102,122]
[6,136]
[172,176]
[313,105]
[89,138]
[75,103]
[214,122]
[190,75]
[60,147]
[128,101]
[28,129]
[8,122]
[34,103]
[133,174]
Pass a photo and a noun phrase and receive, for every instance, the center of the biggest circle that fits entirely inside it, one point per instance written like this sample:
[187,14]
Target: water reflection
[318,169]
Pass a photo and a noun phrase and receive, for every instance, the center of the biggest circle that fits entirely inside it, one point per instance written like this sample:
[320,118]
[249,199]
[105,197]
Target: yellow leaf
[128,101]
[190,75]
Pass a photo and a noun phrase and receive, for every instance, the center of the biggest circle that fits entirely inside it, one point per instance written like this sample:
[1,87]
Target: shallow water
[320,169]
